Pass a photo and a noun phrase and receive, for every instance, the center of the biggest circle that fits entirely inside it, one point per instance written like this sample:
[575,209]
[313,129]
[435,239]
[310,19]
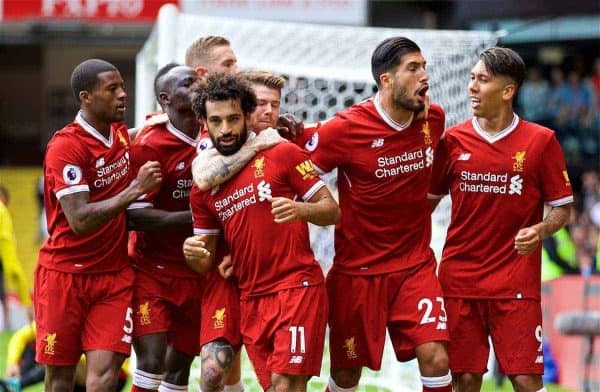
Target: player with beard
[220,298]
[383,272]
[383,149]
[166,293]
[83,278]
[220,340]
[281,284]
[500,171]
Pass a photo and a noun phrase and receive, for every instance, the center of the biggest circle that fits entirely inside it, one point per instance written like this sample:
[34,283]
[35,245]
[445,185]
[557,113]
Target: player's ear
[509,92]
[202,72]
[385,79]
[84,96]
[163,98]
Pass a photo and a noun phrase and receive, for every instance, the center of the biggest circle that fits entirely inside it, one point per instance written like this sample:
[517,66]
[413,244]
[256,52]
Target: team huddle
[189,236]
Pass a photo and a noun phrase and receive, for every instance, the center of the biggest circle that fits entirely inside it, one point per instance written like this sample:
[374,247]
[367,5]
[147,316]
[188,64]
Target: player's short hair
[162,72]
[388,54]
[199,53]
[85,75]
[264,78]
[223,87]
[4,193]
[504,62]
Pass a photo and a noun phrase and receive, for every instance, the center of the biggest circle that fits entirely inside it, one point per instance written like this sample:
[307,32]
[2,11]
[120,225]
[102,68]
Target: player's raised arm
[85,217]
[199,252]
[321,209]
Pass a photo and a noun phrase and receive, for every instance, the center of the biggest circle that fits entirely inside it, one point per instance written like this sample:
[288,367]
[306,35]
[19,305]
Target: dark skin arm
[145,219]
[85,217]
[433,203]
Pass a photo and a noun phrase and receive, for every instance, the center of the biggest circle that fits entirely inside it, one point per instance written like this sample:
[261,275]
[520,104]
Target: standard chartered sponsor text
[483,182]
[112,172]
[399,164]
[183,188]
[236,201]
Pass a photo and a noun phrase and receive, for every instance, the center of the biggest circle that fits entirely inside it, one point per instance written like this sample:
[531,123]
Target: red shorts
[76,313]
[515,327]
[220,310]
[168,304]
[408,302]
[284,332]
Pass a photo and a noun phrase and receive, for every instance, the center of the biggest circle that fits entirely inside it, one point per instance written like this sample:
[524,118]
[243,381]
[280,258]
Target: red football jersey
[160,251]
[79,159]
[498,185]
[267,256]
[384,170]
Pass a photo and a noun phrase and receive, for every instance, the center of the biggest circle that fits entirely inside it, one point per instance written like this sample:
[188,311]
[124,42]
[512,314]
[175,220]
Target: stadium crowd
[566,98]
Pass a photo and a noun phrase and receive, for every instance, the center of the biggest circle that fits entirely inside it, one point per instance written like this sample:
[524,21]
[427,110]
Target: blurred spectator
[43,225]
[559,255]
[590,190]
[533,97]
[586,248]
[22,370]
[11,270]
[595,81]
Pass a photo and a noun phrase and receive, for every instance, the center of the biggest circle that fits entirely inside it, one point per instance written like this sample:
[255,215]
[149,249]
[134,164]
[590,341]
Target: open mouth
[422,92]
[227,141]
[121,108]
[475,102]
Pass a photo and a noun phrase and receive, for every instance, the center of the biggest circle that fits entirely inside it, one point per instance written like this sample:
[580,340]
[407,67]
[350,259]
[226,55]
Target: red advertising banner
[122,11]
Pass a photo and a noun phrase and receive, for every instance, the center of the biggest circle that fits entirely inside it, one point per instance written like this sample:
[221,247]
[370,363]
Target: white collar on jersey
[497,136]
[180,134]
[93,131]
[390,121]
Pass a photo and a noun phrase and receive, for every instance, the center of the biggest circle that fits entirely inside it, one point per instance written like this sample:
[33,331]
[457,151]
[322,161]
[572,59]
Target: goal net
[327,69]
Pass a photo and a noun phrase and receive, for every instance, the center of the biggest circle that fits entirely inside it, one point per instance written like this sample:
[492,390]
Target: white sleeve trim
[313,189]
[72,189]
[561,202]
[206,231]
[432,196]
[137,205]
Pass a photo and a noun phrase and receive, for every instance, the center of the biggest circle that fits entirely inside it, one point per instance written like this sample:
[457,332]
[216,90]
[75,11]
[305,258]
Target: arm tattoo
[556,218]
[218,169]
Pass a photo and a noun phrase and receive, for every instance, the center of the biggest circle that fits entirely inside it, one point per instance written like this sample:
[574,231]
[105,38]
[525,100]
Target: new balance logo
[516,185]
[100,162]
[126,339]
[465,156]
[377,143]
[441,326]
[180,166]
[539,359]
[297,359]
[264,190]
